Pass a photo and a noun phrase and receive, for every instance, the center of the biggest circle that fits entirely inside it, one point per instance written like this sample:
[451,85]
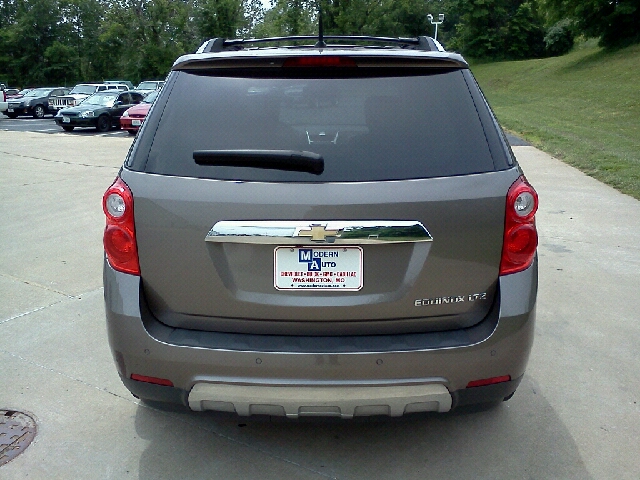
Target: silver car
[321,229]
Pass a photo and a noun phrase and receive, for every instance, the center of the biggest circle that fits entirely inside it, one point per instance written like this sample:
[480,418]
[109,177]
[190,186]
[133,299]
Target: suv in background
[35,103]
[150,85]
[327,228]
[120,82]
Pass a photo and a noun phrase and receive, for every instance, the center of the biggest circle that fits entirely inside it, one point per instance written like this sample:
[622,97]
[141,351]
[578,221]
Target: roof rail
[221,44]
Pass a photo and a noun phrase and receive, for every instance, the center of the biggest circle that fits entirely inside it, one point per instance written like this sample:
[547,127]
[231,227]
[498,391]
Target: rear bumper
[18,110]
[126,123]
[77,122]
[341,376]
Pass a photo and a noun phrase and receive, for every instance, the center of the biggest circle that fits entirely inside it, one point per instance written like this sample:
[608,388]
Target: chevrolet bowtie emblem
[318,233]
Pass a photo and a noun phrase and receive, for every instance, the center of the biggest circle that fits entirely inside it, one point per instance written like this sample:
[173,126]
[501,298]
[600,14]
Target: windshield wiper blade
[289,160]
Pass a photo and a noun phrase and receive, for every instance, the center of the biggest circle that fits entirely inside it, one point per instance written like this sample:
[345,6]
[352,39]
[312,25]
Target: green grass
[583,108]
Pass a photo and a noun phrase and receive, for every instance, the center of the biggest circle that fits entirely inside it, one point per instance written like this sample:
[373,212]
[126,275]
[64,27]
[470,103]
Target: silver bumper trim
[335,401]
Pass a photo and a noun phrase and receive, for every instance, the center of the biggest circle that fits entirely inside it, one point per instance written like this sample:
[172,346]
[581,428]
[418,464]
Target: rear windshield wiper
[289,160]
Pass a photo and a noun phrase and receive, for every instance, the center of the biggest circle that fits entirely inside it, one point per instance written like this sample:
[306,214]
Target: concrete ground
[576,414]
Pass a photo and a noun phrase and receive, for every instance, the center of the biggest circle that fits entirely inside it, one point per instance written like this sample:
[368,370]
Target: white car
[4,105]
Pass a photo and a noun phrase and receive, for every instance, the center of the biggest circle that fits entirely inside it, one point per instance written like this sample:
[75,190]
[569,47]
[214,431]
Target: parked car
[101,111]
[12,92]
[330,229]
[150,85]
[4,105]
[35,103]
[82,91]
[20,93]
[132,119]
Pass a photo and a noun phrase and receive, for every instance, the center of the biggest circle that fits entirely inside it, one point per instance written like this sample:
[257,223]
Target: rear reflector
[320,61]
[489,381]
[156,381]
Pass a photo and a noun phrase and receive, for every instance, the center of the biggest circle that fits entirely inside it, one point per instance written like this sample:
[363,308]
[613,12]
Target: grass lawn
[583,108]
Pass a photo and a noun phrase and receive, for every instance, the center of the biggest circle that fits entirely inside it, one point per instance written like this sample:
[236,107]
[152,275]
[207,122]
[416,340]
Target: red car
[132,119]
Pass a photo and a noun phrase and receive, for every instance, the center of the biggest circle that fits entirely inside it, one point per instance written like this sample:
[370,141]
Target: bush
[559,38]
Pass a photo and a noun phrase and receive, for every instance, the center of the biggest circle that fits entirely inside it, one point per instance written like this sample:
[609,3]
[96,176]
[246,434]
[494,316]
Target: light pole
[440,20]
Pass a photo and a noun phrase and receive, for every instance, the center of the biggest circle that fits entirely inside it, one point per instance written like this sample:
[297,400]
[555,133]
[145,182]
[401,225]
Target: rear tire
[132,132]
[67,129]
[103,123]
[38,111]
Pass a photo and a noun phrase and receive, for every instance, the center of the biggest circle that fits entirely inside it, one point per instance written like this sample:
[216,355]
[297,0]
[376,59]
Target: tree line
[61,42]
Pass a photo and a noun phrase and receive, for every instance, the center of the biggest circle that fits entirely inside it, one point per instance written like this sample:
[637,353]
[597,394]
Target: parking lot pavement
[48,125]
[575,415]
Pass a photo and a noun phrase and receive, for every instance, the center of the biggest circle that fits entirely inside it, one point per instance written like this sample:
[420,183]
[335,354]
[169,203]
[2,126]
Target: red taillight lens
[520,234]
[320,61]
[120,235]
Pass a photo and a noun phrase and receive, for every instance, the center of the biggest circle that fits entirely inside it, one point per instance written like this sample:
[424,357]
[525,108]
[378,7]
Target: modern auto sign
[318,268]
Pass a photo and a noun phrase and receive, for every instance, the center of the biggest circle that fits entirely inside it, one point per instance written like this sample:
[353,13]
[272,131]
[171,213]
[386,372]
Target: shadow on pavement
[523,438]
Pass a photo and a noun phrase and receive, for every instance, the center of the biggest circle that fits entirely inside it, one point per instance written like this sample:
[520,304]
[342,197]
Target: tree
[499,29]
[559,38]
[25,40]
[141,39]
[61,64]
[220,18]
[615,22]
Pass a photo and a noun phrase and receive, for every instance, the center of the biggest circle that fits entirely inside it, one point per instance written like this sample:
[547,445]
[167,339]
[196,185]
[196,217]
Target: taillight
[520,235]
[120,234]
[320,61]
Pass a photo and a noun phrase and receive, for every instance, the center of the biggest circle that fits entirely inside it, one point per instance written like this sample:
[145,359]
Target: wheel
[38,111]
[67,128]
[132,132]
[12,115]
[103,123]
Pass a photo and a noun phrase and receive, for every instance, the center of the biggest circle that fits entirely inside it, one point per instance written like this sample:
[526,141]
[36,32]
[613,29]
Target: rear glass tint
[367,128]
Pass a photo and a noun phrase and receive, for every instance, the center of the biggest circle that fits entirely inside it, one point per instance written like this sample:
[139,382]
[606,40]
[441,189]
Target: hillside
[583,107]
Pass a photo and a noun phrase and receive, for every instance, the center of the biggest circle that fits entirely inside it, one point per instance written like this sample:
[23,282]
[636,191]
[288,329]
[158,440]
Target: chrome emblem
[318,233]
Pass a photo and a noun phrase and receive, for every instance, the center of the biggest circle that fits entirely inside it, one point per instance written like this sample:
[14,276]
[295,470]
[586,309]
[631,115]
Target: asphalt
[576,414]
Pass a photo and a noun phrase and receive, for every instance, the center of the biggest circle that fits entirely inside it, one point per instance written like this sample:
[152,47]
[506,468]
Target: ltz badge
[472,297]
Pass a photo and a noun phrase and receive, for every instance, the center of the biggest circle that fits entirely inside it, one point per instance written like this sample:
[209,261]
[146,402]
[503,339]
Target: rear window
[367,128]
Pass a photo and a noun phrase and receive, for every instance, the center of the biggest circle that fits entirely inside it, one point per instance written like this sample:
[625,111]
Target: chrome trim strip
[355,232]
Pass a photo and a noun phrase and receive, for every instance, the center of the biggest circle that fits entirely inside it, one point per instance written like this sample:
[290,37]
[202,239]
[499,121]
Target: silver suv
[332,228]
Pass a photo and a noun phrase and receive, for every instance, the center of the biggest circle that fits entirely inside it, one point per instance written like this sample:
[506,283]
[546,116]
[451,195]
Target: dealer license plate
[136,123]
[318,268]
[66,120]
[10,110]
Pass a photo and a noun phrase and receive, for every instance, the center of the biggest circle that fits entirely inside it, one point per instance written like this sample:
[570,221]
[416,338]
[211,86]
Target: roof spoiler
[419,43]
